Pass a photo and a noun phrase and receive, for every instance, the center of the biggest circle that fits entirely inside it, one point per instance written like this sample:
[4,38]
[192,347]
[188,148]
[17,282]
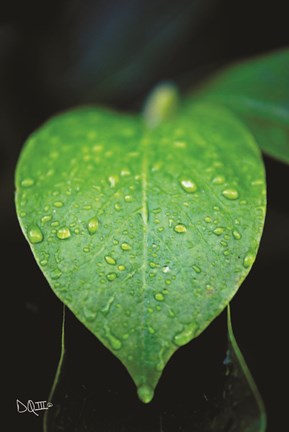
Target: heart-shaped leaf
[144,234]
[258,91]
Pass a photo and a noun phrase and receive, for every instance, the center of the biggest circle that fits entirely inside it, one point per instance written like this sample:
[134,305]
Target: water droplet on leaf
[218,180]
[184,337]
[113,180]
[111,276]
[248,260]
[93,225]
[117,207]
[180,228]
[218,231]
[110,260]
[35,234]
[125,246]
[236,235]
[128,198]
[189,186]
[28,182]
[166,269]
[113,341]
[197,269]
[45,219]
[63,233]
[231,194]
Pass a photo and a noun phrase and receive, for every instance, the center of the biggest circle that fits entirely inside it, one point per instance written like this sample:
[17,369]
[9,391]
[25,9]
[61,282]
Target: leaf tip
[145,393]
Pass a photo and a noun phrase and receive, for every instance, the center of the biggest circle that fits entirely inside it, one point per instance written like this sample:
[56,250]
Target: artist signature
[32,407]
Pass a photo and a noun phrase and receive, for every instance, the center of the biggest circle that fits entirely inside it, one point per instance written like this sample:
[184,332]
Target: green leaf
[258,91]
[144,234]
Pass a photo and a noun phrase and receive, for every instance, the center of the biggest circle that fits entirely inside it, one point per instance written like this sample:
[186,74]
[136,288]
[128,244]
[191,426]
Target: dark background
[59,54]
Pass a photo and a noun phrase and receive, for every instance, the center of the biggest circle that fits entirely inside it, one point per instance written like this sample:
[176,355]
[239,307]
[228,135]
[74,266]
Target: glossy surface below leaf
[258,91]
[218,394]
[144,234]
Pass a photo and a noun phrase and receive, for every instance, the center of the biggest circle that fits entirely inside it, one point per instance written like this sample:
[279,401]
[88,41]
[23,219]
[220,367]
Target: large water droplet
[231,194]
[125,246]
[111,276]
[58,204]
[110,260]
[63,233]
[197,269]
[236,235]
[189,186]
[166,269]
[180,228]
[218,231]
[159,297]
[92,225]
[145,393]
[107,307]
[184,337]
[248,260]
[35,234]
[114,342]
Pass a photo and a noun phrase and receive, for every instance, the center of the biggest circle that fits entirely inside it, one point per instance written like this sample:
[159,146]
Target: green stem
[58,371]
[161,104]
[247,373]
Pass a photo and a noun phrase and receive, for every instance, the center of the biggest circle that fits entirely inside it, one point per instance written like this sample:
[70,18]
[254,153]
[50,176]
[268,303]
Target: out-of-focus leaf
[257,91]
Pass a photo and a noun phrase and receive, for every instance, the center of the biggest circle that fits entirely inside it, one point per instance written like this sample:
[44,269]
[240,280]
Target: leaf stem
[58,371]
[247,373]
[161,104]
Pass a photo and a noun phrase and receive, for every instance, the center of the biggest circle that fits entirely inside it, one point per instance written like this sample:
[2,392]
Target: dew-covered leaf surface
[144,234]
[258,92]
